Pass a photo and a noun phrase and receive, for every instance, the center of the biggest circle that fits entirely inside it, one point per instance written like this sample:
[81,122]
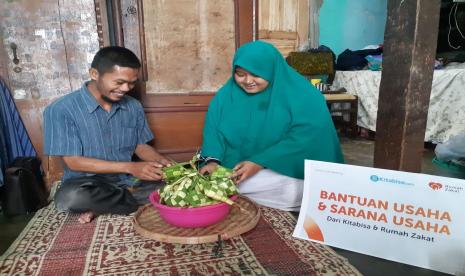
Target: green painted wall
[352,24]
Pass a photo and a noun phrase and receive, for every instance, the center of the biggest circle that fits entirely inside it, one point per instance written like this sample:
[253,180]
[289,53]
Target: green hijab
[277,128]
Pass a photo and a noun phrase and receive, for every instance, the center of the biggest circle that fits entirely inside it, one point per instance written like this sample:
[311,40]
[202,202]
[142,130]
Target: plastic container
[191,217]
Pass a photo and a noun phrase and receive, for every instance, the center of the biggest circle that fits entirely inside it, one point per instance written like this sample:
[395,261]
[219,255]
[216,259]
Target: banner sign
[410,218]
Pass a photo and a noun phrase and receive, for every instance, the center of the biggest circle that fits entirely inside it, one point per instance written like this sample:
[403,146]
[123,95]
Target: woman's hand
[209,168]
[244,170]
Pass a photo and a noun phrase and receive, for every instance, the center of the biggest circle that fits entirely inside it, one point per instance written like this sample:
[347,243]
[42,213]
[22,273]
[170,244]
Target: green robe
[277,128]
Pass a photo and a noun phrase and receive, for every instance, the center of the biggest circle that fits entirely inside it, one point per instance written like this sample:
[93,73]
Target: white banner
[410,218]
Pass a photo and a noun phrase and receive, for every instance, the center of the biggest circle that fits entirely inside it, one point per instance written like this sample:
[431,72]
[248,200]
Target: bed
[446,114]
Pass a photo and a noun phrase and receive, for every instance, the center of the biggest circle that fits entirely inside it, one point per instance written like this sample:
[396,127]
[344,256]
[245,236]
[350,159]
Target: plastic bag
[453,150]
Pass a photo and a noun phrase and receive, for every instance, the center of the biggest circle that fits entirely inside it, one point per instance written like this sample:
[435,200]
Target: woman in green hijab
[263,123]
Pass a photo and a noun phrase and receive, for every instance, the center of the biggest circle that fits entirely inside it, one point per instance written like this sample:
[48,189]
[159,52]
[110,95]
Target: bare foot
[86,217]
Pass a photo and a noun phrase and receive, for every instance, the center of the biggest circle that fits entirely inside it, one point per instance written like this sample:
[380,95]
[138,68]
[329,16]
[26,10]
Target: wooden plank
[117,22]
[244,21]
[177,122]
[283,45]
[101,17]
[132,20]
[280,12]
[279,35]
[264,15]
[275,16]
[287,20]
[55,41]
[130,25]
[267,34]
[164,100]
[339,97]
[177,132]
[409,52]
[4,61]
[143,51]
[303,22]
[290,12]
[189,44]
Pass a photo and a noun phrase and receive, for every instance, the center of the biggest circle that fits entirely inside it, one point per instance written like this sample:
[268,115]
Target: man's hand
[142,170]
[163,161]
[209,168]
[244,170]
[146,170]
[148,153]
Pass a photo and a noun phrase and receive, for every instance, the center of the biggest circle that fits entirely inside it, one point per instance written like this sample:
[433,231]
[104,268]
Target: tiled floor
[357,152]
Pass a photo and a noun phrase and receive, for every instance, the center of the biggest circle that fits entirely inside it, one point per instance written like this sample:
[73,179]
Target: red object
[191,217]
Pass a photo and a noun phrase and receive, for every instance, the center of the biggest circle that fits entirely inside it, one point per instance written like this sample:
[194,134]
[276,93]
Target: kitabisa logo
[376,178]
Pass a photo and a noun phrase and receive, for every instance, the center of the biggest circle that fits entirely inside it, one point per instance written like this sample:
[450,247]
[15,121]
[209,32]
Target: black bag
[355,60]
[24,188]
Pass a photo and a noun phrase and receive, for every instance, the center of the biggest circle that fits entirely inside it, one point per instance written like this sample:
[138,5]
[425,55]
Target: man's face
[113,85]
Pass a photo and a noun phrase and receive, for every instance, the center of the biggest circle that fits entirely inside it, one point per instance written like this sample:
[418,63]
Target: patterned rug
[55,243]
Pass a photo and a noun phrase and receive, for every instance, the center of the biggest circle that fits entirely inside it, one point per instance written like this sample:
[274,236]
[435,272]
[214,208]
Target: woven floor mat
[55,243]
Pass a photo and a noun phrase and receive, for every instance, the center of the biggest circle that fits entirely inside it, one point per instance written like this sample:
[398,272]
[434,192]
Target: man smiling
[96,130]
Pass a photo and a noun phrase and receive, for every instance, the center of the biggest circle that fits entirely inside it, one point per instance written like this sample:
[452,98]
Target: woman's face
[248,81]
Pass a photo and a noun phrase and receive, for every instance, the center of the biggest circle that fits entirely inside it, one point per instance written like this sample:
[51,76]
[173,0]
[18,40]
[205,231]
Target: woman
[264,122]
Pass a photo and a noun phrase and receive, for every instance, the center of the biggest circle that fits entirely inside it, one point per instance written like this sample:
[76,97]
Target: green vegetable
[186,187]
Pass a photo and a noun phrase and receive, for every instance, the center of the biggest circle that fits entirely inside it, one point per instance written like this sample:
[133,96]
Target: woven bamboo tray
[148,223]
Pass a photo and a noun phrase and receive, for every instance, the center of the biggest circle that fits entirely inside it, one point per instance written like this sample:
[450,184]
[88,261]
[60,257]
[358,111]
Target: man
[96,130]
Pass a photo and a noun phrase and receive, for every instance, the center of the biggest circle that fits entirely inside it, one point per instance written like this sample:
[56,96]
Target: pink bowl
[191,217]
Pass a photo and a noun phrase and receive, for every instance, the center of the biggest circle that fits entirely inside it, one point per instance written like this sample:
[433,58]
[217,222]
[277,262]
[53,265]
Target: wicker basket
[148,223]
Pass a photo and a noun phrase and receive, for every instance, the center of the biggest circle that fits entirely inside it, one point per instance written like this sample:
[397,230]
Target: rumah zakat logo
[435,185]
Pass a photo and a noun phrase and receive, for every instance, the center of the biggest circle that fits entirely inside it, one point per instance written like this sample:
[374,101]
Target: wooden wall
[177,122]
[189,44]
[56,41]
[284,23]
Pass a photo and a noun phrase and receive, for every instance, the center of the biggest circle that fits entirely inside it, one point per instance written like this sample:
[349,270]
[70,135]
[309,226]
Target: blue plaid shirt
[76,125]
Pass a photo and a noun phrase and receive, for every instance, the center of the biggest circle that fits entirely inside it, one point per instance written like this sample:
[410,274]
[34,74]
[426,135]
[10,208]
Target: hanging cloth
[14,140]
